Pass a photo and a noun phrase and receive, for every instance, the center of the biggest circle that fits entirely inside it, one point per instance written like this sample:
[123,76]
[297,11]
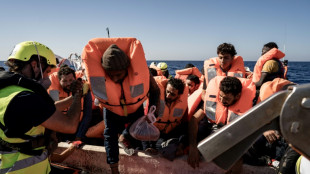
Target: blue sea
[298,72]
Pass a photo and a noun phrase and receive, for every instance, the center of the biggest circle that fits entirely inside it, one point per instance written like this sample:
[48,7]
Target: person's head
[268,46]
[32,59]
[189,65]
[1,68]
[230,91]
[66,76]
[175,87]
[164,68]
[192,81]
[153,71]
[226,53]
[115,62]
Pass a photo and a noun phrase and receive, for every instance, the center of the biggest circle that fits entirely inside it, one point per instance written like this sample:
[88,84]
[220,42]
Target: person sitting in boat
[120,80]
[268,66]
[189,69]
[27,111]
[192,82]
[172,111]
[226,98]
[60,90]
[270,145]
[164,68]
[226,64]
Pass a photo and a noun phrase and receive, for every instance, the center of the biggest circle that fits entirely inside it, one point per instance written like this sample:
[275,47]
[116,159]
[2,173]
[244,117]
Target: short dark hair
[189,65]
[153,71]
[177,84]
[16,65]
[65,70]
[231,85]
[271,45]
[193,78]
[226,48]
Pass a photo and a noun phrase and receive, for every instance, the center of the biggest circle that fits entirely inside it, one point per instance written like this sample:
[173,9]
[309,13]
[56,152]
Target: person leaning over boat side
[121,82]
[170,120]
[60,91]
[226,98]
[268,66]
[27,111]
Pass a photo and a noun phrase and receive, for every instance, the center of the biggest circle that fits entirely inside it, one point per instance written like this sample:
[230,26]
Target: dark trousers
[114,125]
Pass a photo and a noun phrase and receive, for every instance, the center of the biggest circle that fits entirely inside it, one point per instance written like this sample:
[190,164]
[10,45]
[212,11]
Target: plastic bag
[143,130]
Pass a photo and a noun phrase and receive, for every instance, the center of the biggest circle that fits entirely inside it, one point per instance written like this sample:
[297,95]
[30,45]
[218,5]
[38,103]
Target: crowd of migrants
[54,102]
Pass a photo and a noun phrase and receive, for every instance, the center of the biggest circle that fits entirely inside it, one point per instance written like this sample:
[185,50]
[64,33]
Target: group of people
[116,78]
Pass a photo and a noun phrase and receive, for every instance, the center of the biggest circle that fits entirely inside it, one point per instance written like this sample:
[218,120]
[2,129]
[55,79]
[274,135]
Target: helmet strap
[39,60]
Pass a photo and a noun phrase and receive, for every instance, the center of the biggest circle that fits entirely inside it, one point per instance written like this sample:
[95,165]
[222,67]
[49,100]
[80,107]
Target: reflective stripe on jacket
[169,117]
[13,161]
[218,113]
[212,68]
[135,86]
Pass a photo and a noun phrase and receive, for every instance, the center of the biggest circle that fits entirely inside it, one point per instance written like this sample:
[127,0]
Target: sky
[167,29]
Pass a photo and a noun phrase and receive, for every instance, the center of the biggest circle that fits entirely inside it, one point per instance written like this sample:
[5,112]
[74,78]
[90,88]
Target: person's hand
[77,87]
[271,135]
[193,157]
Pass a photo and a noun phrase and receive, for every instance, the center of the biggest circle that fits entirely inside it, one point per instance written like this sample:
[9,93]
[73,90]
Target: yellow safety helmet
[24,50]
[162,65]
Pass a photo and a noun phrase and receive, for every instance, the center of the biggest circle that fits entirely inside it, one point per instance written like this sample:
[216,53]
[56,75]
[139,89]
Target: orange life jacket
[56,90]
[183,73]
[169,117]
[218,113]
[135,86]
[271,87]
[193,101]
[274,53]
[53,70]
[212,68]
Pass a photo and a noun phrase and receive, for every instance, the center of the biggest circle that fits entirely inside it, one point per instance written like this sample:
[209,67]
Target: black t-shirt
[26,110]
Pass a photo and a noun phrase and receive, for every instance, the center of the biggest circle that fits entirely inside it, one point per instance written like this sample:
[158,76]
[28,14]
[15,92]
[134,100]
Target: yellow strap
[124,107]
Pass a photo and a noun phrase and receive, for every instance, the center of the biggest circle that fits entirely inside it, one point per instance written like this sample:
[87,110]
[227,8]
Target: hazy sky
[168,30]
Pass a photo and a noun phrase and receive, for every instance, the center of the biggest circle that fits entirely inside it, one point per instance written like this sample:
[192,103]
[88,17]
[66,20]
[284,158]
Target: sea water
[298,72]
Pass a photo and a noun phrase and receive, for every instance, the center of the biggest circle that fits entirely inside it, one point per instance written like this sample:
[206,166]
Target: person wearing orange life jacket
[60,91]
[226,98]
[194,94]
[226,64]
[268,66]
[190,69]
[120,80]
[271,144]
[172,111]
[27,111]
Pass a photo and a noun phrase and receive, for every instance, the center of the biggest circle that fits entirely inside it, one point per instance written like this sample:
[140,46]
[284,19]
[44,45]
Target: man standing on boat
[27,110]
[226,98]
[120,80]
